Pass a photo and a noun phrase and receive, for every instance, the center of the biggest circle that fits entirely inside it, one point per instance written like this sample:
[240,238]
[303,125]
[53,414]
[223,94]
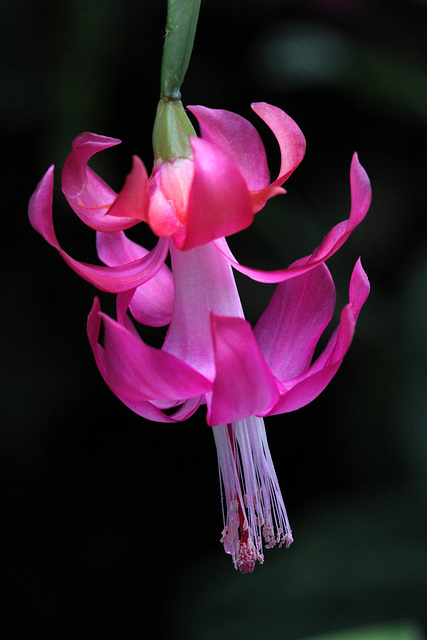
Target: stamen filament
[254,504]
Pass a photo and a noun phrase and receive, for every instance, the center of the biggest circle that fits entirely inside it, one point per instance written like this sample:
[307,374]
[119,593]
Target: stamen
[254,503]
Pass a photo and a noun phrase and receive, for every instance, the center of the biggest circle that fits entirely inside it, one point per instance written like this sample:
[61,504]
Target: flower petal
[289,329]
[132,201]
[149,411]
[306,387]
[136,370]
[112,279]
[162,216]
[360,201]
[289,136]
[219,203]
[140,406]
[237,137]
[243,385]
[170,188]
[361,195]
[204,283]
[151,303]
[292,147]
[90,197]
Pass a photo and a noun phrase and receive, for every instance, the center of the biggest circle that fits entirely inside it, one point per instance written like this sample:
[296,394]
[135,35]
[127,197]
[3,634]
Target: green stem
[180,31]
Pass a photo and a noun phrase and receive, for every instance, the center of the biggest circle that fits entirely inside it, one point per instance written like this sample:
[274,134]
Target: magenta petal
[204,283]
[40,208]
[151,303]
[132,201]
[88,195]
[85,146]
[239,139]
[243,385]
[140,406]
[306,387]
[360,201]
[289,329]
[219,203]
[93,329]
[112,279]
[115,249]
[289,136]
[148,410]
[123,301]
[137,371]
[122,278]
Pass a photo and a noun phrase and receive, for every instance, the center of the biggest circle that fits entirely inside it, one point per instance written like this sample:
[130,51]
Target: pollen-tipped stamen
[254,508]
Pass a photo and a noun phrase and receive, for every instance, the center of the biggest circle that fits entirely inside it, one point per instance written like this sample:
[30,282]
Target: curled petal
[135,402]
[132,201]
[112,279]
[149,410]
[91,198]
[259,198]
[239,139]
[360,201]
[306,387]
[85,146]
[123,301]
[292,148]
[219,203]
[151,303]
[40,208]
[289,136]
[136,370]
[243,385]
[289,329]
[361,195]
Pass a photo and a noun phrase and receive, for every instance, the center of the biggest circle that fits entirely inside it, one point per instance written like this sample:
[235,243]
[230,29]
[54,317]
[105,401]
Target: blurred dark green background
[111,525]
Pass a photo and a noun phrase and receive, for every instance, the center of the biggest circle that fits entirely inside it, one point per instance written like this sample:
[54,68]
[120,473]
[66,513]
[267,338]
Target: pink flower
[211,355]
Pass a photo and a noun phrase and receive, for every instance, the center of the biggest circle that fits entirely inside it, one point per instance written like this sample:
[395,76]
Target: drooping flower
[211,355]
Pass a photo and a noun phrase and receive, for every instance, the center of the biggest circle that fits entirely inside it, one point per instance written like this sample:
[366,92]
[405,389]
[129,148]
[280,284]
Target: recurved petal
[90,197]
[151,303]
[132,201]
[289,136]
[149,410]
[137,371]
[360,201]
[306,387]
[361,195]
[85,145]
[219,203]
[243,385]
[112,279]
[239,139]
[259,198]
[289,329]
[138,404]
[40,208]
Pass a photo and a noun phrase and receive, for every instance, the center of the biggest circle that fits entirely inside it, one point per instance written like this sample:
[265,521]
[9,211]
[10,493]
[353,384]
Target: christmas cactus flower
[201,190]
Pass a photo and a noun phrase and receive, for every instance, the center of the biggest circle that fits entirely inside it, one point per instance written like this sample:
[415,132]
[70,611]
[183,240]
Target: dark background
[111,524]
